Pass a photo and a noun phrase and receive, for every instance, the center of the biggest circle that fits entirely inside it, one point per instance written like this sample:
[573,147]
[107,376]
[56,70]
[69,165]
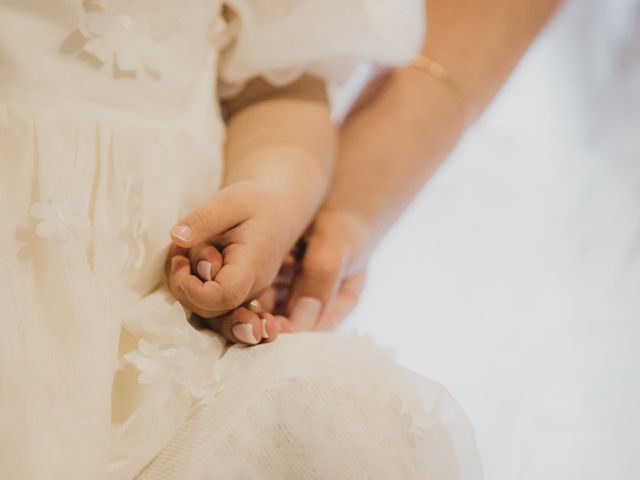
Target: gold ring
[256,306]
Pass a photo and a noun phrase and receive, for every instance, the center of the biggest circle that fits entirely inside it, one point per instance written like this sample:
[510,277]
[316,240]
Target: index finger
[231,287]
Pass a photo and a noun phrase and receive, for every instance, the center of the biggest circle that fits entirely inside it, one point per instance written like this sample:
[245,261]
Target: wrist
[283,184]
[354,230]
[435,70]
[428,98]
[279,162]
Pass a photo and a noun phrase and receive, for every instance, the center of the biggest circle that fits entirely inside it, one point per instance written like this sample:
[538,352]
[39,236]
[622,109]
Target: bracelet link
[440,73]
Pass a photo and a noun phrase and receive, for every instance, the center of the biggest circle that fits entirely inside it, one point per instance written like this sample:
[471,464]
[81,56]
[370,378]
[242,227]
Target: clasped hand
[231,250]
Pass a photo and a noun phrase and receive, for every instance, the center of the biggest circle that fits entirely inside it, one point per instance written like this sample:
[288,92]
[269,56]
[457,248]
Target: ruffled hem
[282,42]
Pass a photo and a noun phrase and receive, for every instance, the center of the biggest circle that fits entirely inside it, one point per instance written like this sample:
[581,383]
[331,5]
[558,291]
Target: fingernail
[204,270]
[244,333]
[265,334]
[305,313]
[182,232]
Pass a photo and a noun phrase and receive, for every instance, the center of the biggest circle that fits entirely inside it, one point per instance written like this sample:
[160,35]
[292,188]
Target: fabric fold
[328,38]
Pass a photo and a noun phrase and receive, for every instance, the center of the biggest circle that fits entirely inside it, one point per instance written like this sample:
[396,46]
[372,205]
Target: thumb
[219,214]
[346,300]
[317,282]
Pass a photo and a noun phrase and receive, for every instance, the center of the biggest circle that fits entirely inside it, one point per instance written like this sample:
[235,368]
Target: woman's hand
[278,158]
[331,273]
[315,292]
[394,141]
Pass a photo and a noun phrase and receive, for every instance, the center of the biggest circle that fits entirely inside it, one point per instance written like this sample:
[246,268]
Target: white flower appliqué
[125,33]
[134,236]
[138,248]
[223,30]
[171,351]
[61,219]
[414,425]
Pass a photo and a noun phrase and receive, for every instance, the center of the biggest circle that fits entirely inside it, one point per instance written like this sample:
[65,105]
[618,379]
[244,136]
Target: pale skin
[278,158]
[389,147]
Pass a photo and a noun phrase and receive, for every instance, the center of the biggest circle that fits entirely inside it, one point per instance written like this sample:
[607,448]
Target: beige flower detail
[413,419]
[61,219]
[134,236]
[172,351]
[125,33]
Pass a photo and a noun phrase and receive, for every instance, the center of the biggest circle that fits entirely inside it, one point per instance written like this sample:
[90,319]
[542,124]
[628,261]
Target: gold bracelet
[437,71]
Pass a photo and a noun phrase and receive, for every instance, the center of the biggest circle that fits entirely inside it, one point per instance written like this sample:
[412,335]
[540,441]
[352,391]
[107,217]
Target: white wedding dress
[110,131]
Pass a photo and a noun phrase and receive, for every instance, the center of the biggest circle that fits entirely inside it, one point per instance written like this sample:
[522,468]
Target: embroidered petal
[97,5]
[126,22]
[170,350]
[79,222]
[137,246]
[99,49]
[42,210]
[64,231]
[60,219]
[96,25]
[153,65]
[124,33]
[46,229]
[159,26]
[421,426]
[127,60]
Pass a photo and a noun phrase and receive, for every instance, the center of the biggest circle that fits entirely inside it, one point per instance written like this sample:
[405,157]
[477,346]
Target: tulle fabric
[319,406]
[110,132]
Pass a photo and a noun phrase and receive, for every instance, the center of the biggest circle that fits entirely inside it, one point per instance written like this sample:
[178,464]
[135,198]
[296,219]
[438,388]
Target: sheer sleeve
[280,40]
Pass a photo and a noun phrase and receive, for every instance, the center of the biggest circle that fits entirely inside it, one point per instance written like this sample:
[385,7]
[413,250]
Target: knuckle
[237,295]
[231,300]
[321,268]
[199,217]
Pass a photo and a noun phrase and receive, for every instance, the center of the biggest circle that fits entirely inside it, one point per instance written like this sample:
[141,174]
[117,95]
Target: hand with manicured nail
[331,274]
[314,293]
[246,324]
[278,159]
[227,253]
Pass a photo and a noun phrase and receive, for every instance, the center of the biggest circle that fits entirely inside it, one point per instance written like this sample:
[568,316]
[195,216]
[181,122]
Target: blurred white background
[515,278]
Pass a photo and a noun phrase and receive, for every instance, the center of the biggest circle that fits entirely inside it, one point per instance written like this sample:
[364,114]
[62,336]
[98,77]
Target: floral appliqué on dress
[61,219]
[413,421]
[133,238]
[170,350]
[126,33]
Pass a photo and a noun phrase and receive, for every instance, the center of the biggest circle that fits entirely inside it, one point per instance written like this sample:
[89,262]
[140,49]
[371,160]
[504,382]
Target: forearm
[479,41]
[283,140]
